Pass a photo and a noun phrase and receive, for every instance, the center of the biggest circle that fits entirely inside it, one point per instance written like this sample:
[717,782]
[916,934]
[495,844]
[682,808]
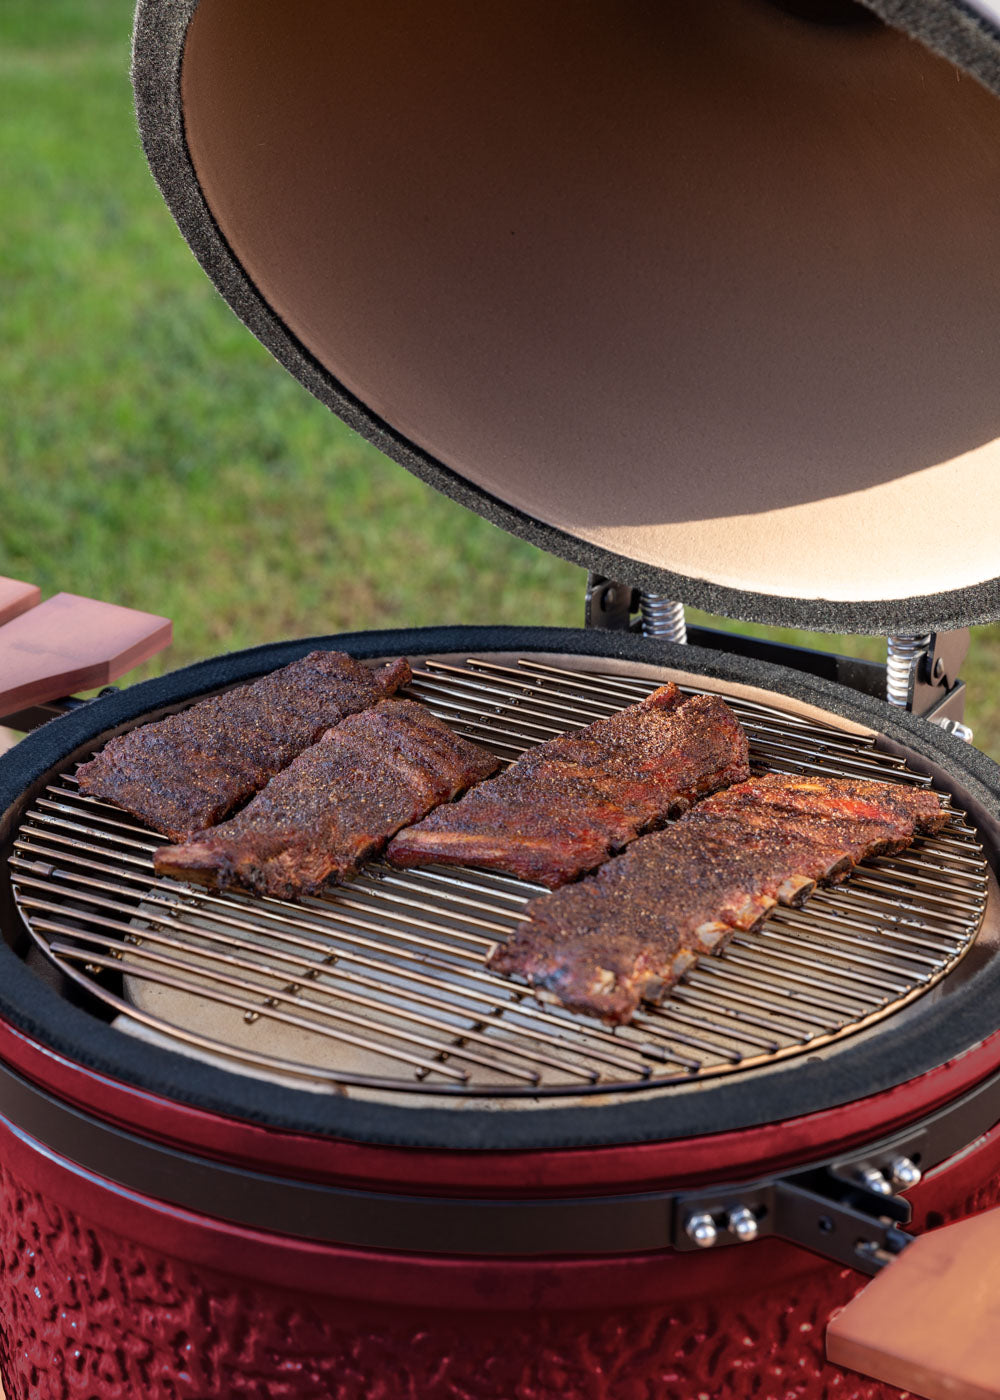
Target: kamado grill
[704,297]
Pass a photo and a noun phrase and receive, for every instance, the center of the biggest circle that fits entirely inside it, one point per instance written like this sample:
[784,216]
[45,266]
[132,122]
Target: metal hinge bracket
[609,603]
[841,1219]
[923,674]
[937,691]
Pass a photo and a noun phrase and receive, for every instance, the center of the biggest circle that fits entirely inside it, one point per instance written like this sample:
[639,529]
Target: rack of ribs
[181,774]
[335,805]
[626,934]
[566,806]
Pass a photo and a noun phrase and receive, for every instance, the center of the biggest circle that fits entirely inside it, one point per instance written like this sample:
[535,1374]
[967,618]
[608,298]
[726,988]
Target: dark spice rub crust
[335,805]
[181,774]
[567,805]
[629,932]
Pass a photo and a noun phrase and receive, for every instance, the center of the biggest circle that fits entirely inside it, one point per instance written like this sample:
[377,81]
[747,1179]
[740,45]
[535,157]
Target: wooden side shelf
[70,643]
[16,598]
[930,1321]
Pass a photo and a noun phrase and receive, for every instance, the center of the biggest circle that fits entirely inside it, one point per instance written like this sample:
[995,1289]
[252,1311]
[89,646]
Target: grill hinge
[609,604]
[845,1221]
[612,605]
[848,1209]
[923,677]
[921,674]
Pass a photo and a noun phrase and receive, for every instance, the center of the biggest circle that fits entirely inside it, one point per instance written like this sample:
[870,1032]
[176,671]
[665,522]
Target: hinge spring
[904,657]
[662,618]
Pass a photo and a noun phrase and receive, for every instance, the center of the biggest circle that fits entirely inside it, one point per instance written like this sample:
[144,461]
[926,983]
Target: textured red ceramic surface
[105,1296]
[90,1314]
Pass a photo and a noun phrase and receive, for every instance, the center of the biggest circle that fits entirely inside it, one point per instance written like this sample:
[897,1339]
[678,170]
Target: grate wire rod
[869,949]
[875,932]
[460,878]
[425,683]
[787,950]
[695,996]
[73,951]
[765,736]
[513,1006]
[763,740]
[93,807]
[741,974]
[805,933]
[676,1012]
[741,988]
[952,869]
[868,903]
[743,951]
[865,882]
[610,683]
[926,883]
[117,948]
[329,967]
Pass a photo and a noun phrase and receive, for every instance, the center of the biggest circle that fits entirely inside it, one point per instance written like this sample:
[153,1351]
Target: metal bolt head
[875,1181]
[701,1230]
[743,1224]
[904,1173]
[956,727]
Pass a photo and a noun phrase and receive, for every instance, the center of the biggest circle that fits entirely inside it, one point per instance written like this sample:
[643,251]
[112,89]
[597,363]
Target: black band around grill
[636,1223]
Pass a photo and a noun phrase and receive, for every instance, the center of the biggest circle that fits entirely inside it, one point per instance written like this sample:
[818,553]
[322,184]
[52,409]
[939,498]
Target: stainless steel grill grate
[382,984]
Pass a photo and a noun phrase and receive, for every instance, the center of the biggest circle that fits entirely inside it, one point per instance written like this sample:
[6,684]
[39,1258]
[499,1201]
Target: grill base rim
[934,1035]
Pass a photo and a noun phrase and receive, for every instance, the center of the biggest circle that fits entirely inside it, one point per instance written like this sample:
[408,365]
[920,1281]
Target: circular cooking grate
[382,984]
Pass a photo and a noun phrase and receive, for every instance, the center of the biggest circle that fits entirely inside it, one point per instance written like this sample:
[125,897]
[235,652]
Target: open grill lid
[705,297]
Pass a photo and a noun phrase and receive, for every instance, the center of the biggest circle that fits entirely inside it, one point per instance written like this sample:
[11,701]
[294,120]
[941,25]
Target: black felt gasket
[932,1034]
[952,29]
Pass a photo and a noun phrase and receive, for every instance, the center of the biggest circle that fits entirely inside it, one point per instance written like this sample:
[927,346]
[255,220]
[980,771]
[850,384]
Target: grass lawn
[152,453]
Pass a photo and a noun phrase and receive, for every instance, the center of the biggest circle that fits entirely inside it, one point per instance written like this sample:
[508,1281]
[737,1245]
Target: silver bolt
[904,1173]
[956,727]
[700,1230]
[875,1181]
[743,1223]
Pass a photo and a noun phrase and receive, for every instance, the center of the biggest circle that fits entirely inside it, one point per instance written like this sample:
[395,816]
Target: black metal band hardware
[843,1220]
[846,1209]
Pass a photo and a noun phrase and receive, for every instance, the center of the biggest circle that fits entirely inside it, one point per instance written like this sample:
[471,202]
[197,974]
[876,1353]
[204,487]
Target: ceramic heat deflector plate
[704,296]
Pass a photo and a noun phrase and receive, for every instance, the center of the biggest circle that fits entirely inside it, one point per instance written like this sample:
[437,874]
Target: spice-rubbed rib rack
[382,986]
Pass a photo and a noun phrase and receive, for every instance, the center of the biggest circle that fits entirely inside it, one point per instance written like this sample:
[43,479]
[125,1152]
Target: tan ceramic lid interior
[700,283]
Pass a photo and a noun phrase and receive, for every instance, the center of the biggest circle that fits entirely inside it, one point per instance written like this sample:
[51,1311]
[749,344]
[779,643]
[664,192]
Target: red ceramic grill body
[109,1292]
[124,1279]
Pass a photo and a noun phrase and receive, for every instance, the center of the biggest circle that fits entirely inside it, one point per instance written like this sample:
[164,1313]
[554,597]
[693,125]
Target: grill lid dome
[706,297]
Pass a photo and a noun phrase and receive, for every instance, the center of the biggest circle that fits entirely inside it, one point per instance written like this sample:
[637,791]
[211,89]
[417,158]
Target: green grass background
[152,453]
